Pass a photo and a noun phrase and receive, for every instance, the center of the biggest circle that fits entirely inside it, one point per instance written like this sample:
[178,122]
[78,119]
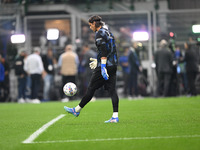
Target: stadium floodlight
[52,34]
[18,38]
[140,36]
[196,28]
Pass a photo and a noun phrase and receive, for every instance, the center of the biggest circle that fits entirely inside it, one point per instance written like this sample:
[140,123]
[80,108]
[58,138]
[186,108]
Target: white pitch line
[119,139]
[33,136]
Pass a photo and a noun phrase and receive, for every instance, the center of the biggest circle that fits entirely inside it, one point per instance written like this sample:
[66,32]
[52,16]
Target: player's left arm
[103,68]
[101,43]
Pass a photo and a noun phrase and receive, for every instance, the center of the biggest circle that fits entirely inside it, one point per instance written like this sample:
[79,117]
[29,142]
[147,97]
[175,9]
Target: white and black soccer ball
[70,89]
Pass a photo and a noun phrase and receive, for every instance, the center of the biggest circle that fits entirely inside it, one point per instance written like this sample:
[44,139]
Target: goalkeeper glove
[103,69]
[93,64]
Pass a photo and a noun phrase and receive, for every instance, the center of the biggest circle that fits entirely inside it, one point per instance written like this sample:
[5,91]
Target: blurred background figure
[135,67]
[21,75]
[49,62]
[43,40]
[62,40]
[34,67]
[85,34]
[87,53]
[191,68]
[28,81]
[68,63]
[123,61]
[181,71]
[163,60]
[4,80]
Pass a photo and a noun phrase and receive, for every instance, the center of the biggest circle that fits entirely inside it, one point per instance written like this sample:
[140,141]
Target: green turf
[150,117]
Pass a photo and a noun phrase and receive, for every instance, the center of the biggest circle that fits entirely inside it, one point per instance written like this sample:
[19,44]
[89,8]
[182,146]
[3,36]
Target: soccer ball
[70,89]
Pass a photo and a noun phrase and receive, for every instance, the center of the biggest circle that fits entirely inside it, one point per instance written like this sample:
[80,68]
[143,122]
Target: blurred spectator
[135,68]
[173,87]
[181,70]
[85,33]
[81,70]
[68,63]
[34,67]
[43,40]
[21,75]
[177,53]
[163,60]
[2,69]
[123,60]
[191,68]
[2,77]
[49,61]
[62,40]
[28,82]
[4,80]
[91,38]
[87,53]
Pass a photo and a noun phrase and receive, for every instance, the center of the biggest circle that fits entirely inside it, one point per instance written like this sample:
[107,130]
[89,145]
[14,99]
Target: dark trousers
[5,89]
[35,85]
[191,83]
[164,83]
[98,81]
[2,92]
[126,83]
[22,87]
[133,84]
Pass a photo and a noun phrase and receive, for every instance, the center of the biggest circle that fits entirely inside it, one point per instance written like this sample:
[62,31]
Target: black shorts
[98,81]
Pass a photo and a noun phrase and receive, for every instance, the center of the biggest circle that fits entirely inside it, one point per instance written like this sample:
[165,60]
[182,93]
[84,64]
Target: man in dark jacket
[191,68]
[135,67]
[87,53]
[48,61]
[21,76]
[163,60]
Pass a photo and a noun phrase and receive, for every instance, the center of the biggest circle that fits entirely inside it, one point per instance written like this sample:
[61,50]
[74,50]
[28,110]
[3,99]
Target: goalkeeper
[105,68]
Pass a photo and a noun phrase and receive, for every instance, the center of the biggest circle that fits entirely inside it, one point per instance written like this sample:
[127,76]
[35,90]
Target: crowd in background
[36,73]
[176,70]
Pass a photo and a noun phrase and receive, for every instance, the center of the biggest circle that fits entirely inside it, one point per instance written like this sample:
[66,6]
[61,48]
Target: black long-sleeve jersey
[106,47]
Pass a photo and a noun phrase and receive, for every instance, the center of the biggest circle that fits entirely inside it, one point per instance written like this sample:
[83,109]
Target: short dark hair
[97,19]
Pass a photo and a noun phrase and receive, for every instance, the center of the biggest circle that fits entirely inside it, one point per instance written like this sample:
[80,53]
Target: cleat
[112,120]
[71,111]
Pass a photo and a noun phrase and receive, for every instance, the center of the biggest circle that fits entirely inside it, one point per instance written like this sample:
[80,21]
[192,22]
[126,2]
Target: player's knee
[90,91]
[112,91]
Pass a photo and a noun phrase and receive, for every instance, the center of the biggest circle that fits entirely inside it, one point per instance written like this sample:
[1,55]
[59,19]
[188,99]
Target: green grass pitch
[147,124]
